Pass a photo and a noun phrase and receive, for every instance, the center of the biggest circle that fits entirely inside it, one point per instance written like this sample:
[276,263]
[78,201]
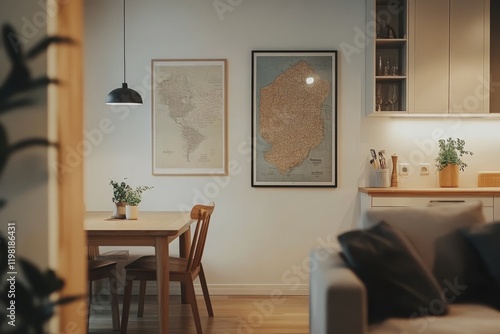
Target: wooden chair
[101,269]
[183,270]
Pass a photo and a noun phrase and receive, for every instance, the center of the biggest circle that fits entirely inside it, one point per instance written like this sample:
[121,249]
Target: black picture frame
[294,118]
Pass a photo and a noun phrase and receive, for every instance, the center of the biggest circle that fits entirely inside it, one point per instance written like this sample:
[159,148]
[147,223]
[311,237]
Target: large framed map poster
[189,103]
[294,118]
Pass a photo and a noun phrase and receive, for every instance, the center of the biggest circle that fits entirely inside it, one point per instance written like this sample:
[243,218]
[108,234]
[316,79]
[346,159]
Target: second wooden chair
[184,270]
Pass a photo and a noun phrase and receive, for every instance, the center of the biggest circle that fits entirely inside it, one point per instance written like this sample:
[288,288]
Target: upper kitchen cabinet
[447,62]
[449,56]
[387,57]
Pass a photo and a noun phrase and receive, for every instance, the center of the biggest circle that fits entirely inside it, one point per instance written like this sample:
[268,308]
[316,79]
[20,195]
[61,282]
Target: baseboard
[217,289]
[236,289]
[123,257]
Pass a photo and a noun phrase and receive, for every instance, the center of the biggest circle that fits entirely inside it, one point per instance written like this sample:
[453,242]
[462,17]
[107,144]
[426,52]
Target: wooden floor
[233,315]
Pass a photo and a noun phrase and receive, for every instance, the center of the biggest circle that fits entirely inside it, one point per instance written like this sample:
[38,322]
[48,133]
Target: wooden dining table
[153,228]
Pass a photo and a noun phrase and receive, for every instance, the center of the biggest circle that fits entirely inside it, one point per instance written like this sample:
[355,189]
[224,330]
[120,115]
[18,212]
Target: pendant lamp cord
[124,67]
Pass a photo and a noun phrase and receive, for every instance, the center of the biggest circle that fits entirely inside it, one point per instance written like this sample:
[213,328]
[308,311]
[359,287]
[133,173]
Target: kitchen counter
[388,192]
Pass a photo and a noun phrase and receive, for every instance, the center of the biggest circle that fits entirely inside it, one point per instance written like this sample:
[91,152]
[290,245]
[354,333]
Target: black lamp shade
[123,96]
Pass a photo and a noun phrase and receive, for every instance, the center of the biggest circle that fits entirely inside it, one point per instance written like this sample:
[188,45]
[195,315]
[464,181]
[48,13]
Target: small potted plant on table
[119,193]
[449,162]
[133,197]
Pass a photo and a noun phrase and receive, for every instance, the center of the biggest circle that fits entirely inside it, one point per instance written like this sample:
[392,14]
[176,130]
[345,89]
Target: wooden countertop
[387,192]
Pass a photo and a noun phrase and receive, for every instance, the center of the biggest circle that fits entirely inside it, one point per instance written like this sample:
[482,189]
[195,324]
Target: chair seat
[100,269]
[148,263]
[99,264]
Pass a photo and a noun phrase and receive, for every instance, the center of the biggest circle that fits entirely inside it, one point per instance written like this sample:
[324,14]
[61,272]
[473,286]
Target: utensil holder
[381,178]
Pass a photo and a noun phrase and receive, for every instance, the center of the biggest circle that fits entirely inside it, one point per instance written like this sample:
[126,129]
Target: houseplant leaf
[3,257]
[34,277]
[3,148]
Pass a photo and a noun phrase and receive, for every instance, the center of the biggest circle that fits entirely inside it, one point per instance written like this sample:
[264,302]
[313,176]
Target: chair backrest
[203,214]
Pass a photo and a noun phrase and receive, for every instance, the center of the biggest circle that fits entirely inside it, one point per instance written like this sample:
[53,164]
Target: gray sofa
[338,298]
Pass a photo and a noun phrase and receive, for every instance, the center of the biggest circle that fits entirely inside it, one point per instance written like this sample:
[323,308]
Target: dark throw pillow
[484,241]
[397,282]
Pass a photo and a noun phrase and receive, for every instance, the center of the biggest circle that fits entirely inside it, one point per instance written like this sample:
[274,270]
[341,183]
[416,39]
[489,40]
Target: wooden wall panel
[67,99]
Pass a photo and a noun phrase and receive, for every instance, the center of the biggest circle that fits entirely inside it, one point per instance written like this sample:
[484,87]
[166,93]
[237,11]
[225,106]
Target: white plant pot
[132,212]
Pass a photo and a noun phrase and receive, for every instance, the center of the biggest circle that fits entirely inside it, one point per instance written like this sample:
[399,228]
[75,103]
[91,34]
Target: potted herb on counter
[449,162]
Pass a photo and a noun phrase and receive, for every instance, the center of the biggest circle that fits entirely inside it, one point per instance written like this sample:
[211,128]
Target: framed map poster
[294,118]
[189,111]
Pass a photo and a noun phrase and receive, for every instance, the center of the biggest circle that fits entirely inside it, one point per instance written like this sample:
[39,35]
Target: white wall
[24,181]
[260,237]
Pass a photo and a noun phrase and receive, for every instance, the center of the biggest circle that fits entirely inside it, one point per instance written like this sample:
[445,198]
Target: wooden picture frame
[189,116]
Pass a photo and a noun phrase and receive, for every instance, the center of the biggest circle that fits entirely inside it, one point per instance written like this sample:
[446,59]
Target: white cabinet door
[469,56]
[449,56]
[430,51]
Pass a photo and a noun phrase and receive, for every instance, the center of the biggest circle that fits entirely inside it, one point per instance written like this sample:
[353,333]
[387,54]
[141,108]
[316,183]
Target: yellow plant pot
[448,177]
[119,210]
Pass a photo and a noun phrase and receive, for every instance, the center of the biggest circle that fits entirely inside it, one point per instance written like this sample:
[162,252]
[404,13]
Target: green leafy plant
[27,297]
[20,80]
[120,190]
[134,196]
[450,153]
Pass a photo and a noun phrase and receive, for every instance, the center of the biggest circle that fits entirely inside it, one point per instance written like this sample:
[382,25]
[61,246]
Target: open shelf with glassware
[387,66]
[389,96]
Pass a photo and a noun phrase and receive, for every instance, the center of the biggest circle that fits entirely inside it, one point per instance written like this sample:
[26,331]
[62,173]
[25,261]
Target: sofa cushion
[434,231]
[486,240]
[397,282]
[461,319]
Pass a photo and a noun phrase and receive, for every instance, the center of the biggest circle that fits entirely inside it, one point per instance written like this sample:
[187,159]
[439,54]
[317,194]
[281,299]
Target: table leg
[93,252]
[184,248]
[163,280]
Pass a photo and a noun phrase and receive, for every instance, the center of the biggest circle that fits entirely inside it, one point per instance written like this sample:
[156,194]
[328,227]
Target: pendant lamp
[123,95]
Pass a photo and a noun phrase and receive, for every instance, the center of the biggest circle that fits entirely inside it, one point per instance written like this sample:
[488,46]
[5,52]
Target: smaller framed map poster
[189,112]
[294,118]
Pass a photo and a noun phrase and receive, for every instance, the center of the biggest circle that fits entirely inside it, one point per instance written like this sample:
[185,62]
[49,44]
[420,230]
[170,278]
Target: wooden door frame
[65,63]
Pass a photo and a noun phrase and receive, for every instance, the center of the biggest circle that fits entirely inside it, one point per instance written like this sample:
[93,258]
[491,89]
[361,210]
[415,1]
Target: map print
[189,114]
[294,121]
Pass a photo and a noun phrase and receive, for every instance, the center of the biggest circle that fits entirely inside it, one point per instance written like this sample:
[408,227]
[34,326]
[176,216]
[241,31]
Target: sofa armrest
[337,298]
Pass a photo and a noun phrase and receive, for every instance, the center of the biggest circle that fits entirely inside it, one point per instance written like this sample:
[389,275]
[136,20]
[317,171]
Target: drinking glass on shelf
[378,98]
[387,67]
[379,25]
[393,96]
[380,66]
[391,33]
[394,70]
